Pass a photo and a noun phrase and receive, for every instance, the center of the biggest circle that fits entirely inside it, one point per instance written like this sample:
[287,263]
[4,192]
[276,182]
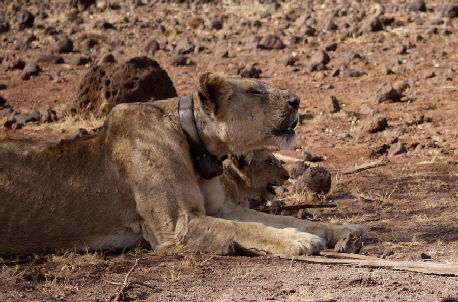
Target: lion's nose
[295,103]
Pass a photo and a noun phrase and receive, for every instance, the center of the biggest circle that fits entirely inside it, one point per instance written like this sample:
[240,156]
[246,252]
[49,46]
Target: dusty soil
[409,205]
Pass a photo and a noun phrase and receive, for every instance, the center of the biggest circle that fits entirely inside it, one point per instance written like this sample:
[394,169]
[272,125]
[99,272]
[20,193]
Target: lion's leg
[332,233]
[198,232]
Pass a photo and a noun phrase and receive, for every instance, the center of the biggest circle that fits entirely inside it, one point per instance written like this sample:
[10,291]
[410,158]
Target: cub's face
[260,171]
[249,114]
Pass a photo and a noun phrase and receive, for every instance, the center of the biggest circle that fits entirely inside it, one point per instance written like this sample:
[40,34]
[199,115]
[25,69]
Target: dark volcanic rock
[138,80]
[25,19]
[152,46]
[417,6]
[53,59]
[63,46]
[271,42]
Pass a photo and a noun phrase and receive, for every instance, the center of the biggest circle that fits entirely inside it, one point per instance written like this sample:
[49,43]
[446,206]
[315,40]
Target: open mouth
[271,188]
[288,131]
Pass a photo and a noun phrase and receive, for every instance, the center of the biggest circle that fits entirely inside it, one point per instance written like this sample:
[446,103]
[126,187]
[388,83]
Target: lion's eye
[271,162]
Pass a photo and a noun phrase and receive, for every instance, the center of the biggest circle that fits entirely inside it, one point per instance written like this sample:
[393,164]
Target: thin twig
[126,285]
[362,167]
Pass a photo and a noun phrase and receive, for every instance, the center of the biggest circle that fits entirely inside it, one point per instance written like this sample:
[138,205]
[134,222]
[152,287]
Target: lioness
[141,177]
[256,172]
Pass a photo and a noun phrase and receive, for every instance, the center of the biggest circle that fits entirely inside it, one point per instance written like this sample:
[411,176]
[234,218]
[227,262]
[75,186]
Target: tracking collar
[207,165]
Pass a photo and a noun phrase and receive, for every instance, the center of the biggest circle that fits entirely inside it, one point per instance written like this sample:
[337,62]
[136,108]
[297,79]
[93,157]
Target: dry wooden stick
[433,268]
[362,167]
[126,285]
[358,168]
[296,207]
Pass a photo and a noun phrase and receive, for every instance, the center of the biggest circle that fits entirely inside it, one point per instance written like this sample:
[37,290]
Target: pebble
[271,42]
[152,46]
[25,19]
[249,71]
[318,60]
[288,60]
[63,46]
[106,59]
[396,149]
[373,124]
[296,169]
[417,6]
[386,92]
[179,60]
[332,104]
[53,59]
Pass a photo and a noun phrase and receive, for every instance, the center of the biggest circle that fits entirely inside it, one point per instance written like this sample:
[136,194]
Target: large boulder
[138,80]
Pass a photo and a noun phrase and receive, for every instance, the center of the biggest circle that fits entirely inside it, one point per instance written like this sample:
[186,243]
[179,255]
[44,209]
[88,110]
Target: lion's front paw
[308,244]
[340,232]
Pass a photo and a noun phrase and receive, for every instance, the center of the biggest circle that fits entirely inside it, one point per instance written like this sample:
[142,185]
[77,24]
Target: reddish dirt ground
[409,204]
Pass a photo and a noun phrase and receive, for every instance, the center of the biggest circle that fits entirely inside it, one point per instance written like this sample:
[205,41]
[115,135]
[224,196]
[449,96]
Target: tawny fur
[136,180]
[253,173]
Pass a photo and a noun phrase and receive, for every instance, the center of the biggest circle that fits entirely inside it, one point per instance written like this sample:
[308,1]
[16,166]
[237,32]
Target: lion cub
[256,172]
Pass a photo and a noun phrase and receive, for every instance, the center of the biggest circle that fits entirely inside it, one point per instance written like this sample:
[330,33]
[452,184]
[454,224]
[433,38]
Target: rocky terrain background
[377,81]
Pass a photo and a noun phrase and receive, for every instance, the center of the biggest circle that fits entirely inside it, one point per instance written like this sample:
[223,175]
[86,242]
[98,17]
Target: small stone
[152,46]
[80,132]
[396,149]
[88,44]
[184,46]
[215,23]
[81,61]
[312,157]
[32,69]
[425,256]
[4,27]
[48,116]
[221,52]
[288,60]
[373,124]
[103,24]
[53,59]
[318,61]
[271,42]
[402,49]
[331,47]
[33,116]
[106,59]
[386,92]
[401,86]
[63,46]
[449,11]
[249,71]
[179,60]
[25,19]
[296,169]
[332,104]
[417,6]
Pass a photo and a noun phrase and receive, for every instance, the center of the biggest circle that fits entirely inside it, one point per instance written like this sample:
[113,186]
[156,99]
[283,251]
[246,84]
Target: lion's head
[237,115]
[257,172]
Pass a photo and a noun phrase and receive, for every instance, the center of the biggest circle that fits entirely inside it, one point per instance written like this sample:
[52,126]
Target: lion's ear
[212,89]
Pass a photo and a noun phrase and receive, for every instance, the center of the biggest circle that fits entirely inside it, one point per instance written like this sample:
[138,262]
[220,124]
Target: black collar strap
[207,165]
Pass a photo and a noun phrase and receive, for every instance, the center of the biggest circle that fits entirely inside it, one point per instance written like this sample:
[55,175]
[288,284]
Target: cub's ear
[213,89]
